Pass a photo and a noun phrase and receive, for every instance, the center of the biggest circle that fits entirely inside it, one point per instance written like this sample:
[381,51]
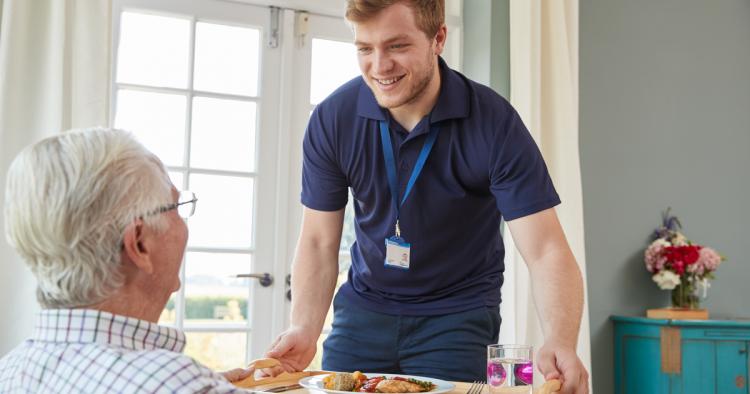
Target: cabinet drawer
[720,333]
[712,357]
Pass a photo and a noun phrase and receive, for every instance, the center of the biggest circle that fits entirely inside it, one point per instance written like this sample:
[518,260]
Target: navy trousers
[449,347]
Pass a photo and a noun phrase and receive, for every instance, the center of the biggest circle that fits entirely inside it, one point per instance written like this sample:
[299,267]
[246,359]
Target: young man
[433,161]
[98,222]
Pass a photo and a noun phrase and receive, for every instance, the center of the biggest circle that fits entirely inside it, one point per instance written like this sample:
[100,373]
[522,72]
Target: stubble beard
[415,92]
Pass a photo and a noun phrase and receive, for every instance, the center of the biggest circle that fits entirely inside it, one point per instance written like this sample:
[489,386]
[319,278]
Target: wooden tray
[283,379]
[677,314]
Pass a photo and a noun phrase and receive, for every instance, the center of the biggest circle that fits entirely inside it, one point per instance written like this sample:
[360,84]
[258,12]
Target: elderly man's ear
[136,247]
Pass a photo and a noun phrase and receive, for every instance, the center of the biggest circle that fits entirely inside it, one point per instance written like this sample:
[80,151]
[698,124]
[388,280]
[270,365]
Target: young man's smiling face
[398,61]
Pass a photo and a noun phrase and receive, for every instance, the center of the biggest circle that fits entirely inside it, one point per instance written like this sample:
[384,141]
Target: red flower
[679,257]
[678,267]
[691,253]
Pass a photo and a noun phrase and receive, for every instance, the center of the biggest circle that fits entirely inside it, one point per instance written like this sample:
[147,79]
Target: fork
[476,388]
[281,389]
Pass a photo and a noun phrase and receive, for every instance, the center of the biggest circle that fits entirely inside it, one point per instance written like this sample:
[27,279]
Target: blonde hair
[429,14]
[68,199]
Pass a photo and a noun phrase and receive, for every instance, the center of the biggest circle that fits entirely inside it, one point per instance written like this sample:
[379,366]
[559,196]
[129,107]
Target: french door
[316,76]
[199,85]
[222,91]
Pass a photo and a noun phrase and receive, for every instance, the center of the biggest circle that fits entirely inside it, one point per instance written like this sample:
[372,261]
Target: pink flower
[654,255]
[697,269]
[709,260]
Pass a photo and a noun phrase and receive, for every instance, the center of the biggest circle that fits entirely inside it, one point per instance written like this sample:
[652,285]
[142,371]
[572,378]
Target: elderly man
[100,225]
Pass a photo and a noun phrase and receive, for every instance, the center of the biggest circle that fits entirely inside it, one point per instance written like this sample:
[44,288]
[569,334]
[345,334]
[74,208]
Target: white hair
[69,198]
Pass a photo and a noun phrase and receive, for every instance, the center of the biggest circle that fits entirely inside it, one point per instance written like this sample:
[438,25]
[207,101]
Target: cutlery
[281,389]
[476,388]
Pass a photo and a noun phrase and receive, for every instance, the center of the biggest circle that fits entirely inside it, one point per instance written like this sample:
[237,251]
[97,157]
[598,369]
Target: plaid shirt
[90,351]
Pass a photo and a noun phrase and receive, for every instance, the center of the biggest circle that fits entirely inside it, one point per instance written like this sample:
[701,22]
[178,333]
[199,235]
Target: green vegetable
[425,385]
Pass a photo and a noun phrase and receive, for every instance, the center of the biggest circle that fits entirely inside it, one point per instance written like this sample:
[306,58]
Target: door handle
[289,287]
[265,278]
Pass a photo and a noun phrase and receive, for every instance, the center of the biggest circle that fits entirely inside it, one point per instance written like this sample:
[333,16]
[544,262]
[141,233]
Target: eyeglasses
[185,205]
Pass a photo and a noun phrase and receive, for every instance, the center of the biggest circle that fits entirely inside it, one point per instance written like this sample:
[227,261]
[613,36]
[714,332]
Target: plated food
[359,382]
[317,383]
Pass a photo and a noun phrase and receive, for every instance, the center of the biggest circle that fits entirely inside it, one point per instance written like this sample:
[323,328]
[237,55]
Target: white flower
[667,280]
[679,239]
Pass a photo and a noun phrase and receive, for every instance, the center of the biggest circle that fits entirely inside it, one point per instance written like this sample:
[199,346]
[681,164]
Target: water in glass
[509,369]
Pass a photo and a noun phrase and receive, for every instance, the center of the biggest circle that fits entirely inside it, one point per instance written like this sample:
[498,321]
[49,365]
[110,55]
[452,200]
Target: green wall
[664,121]
[486,49]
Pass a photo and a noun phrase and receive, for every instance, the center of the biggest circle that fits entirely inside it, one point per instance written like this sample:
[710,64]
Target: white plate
[316,383]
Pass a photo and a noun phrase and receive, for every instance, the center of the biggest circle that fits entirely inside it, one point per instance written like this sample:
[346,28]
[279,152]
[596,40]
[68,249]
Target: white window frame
[267,301]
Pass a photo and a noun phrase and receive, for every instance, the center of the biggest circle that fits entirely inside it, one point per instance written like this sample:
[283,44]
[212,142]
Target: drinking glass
[510,368]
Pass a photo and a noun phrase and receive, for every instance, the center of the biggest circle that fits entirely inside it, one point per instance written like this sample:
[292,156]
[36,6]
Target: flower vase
[685,295]
[685,302]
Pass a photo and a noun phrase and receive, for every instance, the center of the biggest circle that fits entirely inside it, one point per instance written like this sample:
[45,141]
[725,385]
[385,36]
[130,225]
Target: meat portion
[398,386]
[343,382]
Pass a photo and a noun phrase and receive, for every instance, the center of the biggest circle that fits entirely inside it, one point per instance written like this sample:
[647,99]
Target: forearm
[314,275]
[557,287]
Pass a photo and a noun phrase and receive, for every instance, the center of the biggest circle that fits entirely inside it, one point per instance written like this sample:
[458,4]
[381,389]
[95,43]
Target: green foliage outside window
[205,307]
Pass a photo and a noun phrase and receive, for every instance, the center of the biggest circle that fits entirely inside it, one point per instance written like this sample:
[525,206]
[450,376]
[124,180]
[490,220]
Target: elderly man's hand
[237,374]
[561,362]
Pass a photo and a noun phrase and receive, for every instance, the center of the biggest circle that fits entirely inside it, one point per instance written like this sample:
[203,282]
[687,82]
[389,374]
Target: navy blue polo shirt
[484,165]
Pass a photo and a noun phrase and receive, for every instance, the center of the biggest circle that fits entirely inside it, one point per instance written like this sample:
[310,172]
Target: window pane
[156,119]
[344,263]
[168,314]
[317,362]
[177,179]
[327,75]
[223,134]
[224,212]
[153,50]
[218,351]
[212,295]
[226,59]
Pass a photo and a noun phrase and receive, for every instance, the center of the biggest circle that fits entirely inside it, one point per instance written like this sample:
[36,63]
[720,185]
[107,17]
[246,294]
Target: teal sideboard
[681,356]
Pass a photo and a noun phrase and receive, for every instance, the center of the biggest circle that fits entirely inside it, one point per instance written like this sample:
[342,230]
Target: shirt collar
[452,102]
[94,326]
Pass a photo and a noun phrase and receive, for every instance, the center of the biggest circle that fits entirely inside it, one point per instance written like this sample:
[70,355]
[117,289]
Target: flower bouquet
[679,265]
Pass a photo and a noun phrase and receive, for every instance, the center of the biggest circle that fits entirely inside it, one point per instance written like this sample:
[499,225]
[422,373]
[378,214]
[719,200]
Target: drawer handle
[739,381]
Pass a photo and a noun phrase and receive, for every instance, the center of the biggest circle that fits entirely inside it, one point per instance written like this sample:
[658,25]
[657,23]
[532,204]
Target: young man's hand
[294,348]
[561,362]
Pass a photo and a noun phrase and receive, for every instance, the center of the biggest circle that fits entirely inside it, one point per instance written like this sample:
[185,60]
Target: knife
[281,389]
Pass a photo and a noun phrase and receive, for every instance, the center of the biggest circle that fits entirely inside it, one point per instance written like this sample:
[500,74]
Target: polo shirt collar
[452,102]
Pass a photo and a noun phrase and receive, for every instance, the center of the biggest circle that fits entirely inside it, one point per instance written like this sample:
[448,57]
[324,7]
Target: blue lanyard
[390,166]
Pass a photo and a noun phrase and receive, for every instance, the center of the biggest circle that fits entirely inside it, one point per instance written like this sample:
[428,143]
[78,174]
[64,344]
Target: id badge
[397,253]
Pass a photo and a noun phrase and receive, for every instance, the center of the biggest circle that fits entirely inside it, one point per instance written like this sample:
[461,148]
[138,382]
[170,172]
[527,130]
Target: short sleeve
[324,184]
[519,179]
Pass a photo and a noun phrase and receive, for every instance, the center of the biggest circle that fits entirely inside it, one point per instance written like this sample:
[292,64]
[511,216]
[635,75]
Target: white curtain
[54,75]
[544,90]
